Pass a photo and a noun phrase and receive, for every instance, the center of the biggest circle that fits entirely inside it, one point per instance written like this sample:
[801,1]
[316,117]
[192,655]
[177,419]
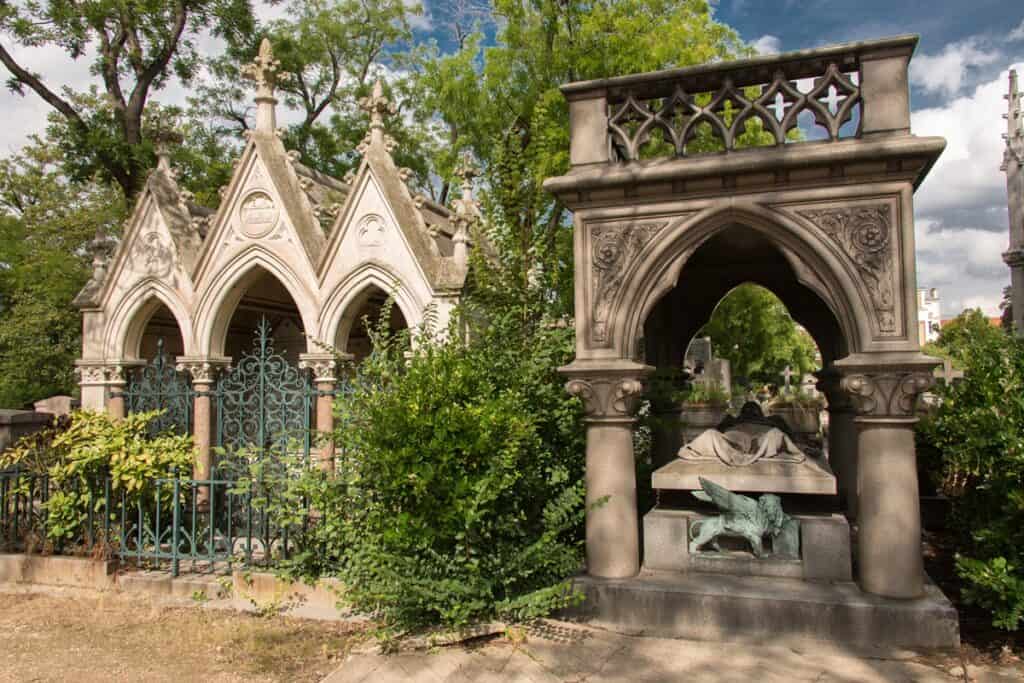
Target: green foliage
[753,330]
[90,447]
[45,223]
[957,337]
[137,48]
[464,472]
[706,393]
[978,431]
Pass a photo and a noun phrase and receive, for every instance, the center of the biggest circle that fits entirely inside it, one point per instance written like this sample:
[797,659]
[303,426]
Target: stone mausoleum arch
[220,300]
[150,310]
[825,224]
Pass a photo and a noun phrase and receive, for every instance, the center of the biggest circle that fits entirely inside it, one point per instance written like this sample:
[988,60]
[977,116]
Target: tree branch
[50,97]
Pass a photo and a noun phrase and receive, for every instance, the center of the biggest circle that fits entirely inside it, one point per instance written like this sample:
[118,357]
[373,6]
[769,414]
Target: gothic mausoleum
[232,320]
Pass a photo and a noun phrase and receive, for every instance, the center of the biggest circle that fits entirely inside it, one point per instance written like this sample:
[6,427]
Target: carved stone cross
[788,374]
[265,71]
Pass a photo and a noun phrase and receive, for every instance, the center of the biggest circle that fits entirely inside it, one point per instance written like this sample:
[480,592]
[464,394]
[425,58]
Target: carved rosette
[91,375]
[886,394]
[202,370]
[610,399]
[865,234]
[614,248]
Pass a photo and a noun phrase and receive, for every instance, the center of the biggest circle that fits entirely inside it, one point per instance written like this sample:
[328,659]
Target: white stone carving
[258,214]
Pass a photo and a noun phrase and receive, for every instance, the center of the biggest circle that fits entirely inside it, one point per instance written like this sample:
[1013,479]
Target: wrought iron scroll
[159,386]
[831,99]
[264,402]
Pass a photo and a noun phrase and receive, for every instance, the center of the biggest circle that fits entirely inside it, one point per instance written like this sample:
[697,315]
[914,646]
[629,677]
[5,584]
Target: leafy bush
[459,490]
[976,438]
[90,448]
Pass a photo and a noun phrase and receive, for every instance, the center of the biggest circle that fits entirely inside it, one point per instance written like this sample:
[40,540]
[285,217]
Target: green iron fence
[159,386]
[204,525]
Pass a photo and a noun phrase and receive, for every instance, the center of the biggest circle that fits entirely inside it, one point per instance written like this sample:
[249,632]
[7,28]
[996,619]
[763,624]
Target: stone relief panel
[153,255]
[258,214]
[614,248]
[370,231]
[868,237]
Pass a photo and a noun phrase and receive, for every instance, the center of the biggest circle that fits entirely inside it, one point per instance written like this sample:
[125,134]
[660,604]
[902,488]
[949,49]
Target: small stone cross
[787,373]
[265,71]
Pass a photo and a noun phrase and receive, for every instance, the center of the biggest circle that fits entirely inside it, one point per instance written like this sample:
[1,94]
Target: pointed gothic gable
[378,173]
[161,240]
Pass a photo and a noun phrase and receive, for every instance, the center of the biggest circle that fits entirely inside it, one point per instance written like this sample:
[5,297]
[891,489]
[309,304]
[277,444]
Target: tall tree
[753,330]
[503,103]
[135,48]
[46,223]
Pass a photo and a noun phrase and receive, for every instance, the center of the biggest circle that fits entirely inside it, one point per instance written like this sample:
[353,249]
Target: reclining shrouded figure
[744,440]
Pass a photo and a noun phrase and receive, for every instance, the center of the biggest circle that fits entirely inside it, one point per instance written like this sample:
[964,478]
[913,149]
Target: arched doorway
[264,400]
[363,317]
[155,383]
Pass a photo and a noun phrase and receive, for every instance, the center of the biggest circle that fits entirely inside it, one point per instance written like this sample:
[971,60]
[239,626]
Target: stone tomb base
[765,610]
[824,549]
[808,477]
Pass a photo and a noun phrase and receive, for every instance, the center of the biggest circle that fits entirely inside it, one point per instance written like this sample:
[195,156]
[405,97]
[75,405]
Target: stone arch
[343,304]
[815,265]
[128,322]
[221,296]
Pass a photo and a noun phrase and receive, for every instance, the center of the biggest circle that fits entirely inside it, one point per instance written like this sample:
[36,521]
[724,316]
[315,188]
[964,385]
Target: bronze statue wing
[725,500]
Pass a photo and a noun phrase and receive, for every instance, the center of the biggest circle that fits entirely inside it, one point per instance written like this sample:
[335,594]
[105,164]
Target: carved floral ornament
[614,248]
[324,369]
[866,236]
[887,394]
[202,371]
[607,398]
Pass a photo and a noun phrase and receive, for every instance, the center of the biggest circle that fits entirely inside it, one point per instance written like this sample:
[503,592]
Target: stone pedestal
[824,549]
[612,526]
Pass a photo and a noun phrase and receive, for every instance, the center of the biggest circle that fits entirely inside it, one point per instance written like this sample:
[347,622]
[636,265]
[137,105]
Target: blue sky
[958,78]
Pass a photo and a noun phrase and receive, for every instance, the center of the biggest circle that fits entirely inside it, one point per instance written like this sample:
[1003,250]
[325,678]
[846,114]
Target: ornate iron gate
[158,386]
[264,402]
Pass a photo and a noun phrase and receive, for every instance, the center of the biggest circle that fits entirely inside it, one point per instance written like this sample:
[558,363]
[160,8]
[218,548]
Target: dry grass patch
[108,637]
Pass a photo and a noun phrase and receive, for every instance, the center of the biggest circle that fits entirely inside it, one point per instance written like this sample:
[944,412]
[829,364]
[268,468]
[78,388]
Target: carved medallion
[154,254]
[614,248]
[370,232]
[258,214]
[865,234]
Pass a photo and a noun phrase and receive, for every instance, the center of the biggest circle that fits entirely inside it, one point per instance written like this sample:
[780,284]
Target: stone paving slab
[560,652]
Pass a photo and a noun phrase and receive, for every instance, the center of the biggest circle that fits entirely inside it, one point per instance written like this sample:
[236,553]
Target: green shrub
[974,442]
[89,448]
[460,476]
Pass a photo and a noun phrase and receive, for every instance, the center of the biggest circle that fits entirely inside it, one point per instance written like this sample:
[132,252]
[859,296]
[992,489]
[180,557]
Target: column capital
[886,389]
[610,391]
[830,383]
[104,373]
[1014,258]
[203,370]
[324,365]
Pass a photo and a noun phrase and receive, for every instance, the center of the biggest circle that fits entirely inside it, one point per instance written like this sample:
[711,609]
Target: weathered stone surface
[760,609]
[810,476]
[824,548]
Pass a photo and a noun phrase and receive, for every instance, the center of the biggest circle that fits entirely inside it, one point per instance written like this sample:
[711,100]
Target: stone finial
[265,72]
[102,249]
[377,105]
[467,210]
[164,141]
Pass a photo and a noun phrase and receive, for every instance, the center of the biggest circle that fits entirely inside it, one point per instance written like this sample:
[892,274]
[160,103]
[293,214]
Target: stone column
[117,382]
[842,439]
[612,525]
[204,375]
[889,513]
[324,367]
[92,378]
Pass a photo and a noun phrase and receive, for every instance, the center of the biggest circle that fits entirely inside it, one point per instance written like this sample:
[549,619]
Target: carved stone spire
[265,72]
[1013,166]
[377,105]
[467,210]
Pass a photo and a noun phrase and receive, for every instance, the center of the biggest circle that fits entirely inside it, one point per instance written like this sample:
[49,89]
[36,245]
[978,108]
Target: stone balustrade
[845,91]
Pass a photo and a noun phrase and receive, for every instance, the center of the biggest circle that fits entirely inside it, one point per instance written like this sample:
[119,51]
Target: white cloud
[767,45]
[960,210]
[945,72]
[421,21]
[1017,33]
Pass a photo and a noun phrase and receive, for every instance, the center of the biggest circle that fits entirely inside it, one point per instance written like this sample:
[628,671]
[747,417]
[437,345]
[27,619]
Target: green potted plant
[704,406]
[800,410]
